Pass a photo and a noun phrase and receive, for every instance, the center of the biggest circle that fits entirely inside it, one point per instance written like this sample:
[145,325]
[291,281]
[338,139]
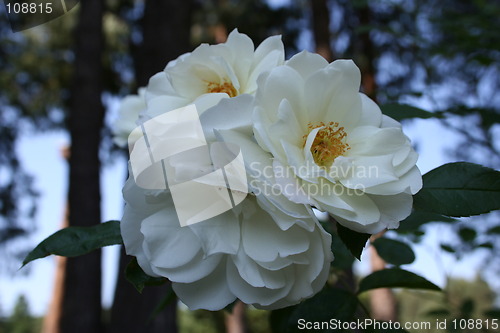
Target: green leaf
[419,233]
[229,308]
[395,278]
[343,257]
[467,307]
[467,234]
[135,275]
[489,116]
[393,251]
[459,189]
[419,218]
[493,313]
[279,320]
[167,300]
[486,245]
[494,230]
[355,241]
[447,248]
[76,241]
[404,111]
[328,304]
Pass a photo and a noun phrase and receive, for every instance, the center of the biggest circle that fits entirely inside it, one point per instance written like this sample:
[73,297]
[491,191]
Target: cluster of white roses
[303,128]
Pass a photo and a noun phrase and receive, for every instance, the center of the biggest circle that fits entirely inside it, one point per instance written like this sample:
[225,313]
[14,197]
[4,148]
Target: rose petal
[306,63]
[211,293]
[264,241]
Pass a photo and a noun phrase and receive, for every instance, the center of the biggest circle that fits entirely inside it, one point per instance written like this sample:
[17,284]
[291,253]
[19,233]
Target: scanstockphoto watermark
[314,181]
[362,324]
[374,324]
[345,170]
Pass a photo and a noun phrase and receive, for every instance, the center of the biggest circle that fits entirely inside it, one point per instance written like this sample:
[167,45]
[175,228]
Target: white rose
[204,77]
[247,257]
[128,115]
[267,251]
[213,72]
[332,147]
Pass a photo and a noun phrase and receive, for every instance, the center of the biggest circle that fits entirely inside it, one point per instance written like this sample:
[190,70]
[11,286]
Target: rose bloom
[267,251]
[331,146]
[203,77]
[259,253]
[213,72]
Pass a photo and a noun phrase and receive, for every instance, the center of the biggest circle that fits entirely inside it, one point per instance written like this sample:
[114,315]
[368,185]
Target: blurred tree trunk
[166,35]
[81,310]
[383,303]
[132,312]
[236,321]
[53,315]
[321,28]
[366,55]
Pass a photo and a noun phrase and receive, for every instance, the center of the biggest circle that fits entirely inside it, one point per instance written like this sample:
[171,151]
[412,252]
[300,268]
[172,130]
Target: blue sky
[41,156]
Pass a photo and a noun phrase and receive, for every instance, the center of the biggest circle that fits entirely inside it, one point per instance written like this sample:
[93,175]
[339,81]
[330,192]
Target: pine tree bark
[81,311]
[367,55]
[53,316]
[383,303]
[132,311]
[166,35]
[236,321]
[321,28]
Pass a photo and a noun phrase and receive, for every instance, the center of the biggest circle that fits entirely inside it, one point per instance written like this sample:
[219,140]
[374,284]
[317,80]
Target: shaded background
[60,85]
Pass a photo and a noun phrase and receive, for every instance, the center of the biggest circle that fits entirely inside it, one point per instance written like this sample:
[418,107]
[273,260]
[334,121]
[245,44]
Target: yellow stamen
[328,144]
[225,87]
